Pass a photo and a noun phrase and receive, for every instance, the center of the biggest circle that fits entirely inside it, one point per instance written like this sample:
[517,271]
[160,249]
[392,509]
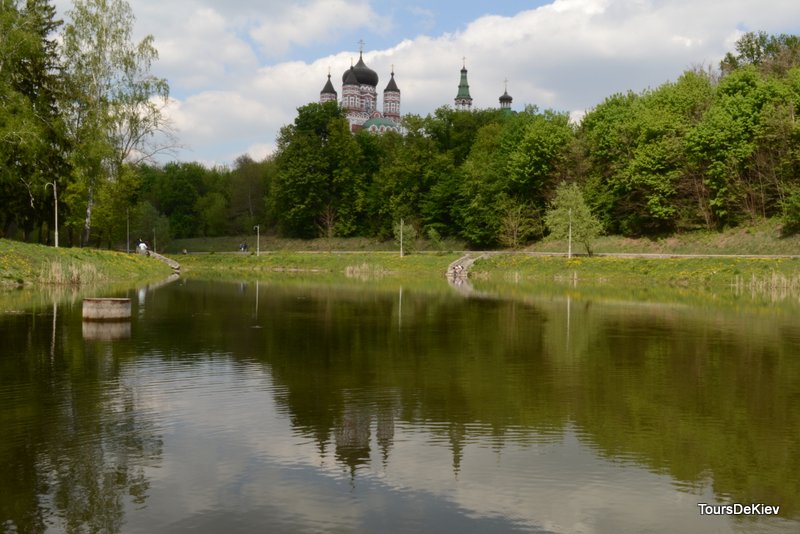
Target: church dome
[364,74]
[349,77]
[391,87]
[328,89]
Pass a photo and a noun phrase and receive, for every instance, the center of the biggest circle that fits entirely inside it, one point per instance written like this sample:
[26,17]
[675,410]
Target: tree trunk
[87,227]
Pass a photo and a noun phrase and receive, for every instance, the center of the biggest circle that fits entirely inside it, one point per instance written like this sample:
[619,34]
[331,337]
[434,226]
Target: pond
[326,407]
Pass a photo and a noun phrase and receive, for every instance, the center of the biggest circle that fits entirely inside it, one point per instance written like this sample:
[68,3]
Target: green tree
[518,224]
[247,188]
[538,158]
[723,147]
[114,205]
[32,141]
[415,182]
[640,178]
[114,104]
[569,214]
[318,169]
[176,194]
[405,236]
[485,188]
[774,54]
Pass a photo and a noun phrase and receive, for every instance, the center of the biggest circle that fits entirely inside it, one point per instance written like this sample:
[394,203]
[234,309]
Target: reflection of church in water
[353,434]
[360,98]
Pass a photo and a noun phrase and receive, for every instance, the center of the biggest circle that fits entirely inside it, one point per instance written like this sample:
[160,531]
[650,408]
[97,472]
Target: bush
[791,213]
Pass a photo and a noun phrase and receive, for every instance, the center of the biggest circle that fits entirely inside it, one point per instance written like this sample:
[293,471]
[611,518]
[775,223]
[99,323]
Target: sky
[239,69]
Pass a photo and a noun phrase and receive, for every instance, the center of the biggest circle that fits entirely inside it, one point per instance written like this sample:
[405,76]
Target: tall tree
[318,173]
[113,102]
[31,130]
[570,216]
[538,160]
[247,188]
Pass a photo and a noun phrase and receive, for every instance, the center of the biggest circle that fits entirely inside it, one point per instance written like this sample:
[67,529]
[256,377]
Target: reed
[69,274]
[365,271]
[774,286]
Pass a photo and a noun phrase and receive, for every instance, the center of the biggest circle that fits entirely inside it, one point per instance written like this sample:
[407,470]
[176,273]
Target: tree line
[716,148]
[79,110]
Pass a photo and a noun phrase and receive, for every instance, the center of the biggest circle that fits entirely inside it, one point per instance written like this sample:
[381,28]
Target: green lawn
[29,264]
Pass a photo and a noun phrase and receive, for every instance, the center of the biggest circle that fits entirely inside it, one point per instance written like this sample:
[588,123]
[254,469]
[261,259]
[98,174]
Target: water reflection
[362,410]
[75,444]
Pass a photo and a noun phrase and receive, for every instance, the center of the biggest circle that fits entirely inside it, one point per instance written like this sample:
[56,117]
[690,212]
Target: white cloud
[569,55]
[316,21]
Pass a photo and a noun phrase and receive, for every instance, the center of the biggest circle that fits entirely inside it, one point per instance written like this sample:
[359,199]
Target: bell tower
[463,100]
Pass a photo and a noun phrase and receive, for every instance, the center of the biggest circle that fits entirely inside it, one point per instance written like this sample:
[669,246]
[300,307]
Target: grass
[277,244]
[744,273]
[764,238]
[370,259]
[23,264]
[357,265]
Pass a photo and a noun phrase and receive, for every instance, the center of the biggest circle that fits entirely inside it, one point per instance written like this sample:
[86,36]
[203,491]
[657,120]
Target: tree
[32,141]
[405,236]
[247,187]
[318,169]
[485,188]
[518,224]
[569,215]
[535,163]
[114,104]
[769,53]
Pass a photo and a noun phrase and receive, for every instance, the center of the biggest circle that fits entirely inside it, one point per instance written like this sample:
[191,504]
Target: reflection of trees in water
[422,368]
[76,441]
[674,389]
[700,394]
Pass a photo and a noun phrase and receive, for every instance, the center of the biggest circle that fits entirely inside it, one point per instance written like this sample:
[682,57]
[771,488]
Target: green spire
[463,99]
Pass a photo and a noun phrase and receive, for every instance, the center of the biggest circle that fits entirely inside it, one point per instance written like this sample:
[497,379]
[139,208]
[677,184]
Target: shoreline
[26,265]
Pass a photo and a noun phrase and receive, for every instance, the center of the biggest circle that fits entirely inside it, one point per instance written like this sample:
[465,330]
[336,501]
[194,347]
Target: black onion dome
[391,86]
[349,77]
[506,97]
[364,74]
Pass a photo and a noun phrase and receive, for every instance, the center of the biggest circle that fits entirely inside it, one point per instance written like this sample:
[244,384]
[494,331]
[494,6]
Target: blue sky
[239,69]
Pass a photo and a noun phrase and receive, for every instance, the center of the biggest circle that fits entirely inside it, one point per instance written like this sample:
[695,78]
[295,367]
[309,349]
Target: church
[360,98]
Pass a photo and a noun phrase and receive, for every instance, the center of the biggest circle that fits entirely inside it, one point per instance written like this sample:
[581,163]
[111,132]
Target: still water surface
[255,407]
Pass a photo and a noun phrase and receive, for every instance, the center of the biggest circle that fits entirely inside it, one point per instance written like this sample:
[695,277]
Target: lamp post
[401,238]
[257,228]
[55,204]
[569,249]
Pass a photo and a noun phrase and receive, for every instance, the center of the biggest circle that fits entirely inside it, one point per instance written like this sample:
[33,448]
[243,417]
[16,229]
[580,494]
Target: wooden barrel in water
[106,309]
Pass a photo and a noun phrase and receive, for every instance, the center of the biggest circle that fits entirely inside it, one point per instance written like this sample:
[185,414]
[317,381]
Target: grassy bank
[279,244]
[743,273]
[23,264]
[357,265]
[765,238]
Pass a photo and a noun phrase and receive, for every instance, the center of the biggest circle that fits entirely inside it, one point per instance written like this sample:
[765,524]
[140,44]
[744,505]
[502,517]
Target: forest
[81,132]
